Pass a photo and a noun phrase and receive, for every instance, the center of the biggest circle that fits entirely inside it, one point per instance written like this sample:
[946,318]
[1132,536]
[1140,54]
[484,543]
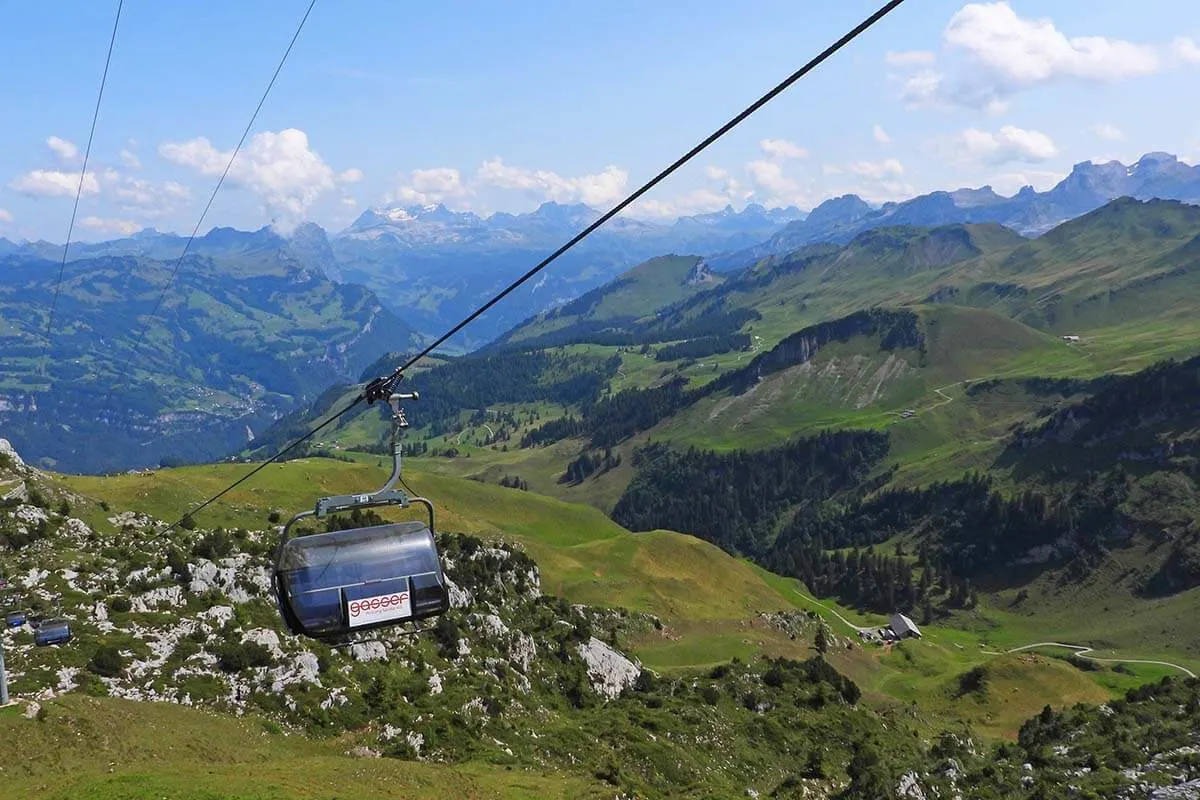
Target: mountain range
[432,265]
[1028,212]
[261,323]
[239,340]
[437,265]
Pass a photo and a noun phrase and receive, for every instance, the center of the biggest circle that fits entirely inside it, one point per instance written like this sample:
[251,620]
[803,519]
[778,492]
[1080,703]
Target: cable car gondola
[15,619]
[332,585]
[52,631]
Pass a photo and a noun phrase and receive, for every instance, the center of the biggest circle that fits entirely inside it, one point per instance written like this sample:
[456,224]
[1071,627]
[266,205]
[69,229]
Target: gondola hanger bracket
[348,502]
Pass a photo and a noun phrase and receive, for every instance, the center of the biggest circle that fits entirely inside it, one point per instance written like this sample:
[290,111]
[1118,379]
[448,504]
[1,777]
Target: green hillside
[935,504]
[991,304]
[240,337]
[105,748]
[584,556]
[635,294]
[717,616]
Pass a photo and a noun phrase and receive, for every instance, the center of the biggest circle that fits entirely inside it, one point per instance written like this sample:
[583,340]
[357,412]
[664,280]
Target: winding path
[848,623]
[1082,652]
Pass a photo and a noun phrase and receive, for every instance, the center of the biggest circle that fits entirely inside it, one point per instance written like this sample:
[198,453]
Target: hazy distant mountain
[248,331]
[432,266]
[435,265]
[1029,212]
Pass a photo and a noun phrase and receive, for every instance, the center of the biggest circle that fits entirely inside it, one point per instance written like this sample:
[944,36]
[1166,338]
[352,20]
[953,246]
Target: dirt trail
[1082,652]
[848,623]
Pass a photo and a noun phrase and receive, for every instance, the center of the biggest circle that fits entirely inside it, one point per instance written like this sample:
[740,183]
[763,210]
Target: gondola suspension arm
[388,495]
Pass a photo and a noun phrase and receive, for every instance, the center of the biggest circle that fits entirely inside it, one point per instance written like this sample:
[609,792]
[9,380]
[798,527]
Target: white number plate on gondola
[380,608]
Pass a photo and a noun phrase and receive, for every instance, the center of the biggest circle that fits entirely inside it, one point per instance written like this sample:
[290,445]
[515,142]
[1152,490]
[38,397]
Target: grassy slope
[854,384]
[586,558]
[583,555]
[709,601]
[104,749]
[1122,280]
[636,293]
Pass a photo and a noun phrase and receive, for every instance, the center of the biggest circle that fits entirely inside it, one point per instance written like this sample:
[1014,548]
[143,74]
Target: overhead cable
[380,387]
[87,152]
[188,244]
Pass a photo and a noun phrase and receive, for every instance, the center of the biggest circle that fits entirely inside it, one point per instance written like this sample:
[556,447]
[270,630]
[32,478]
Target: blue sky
[500,107]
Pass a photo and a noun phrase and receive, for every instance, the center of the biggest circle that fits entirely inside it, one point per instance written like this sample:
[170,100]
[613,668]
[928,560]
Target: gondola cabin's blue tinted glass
[52,632]
[16,619]
[335,583]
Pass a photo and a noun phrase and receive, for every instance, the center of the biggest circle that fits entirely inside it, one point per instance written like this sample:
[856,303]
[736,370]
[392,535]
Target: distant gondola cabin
[53,631]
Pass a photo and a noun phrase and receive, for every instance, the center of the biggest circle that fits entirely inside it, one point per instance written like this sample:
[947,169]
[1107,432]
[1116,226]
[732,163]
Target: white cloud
[349,202]
[124,227]
[878,170]
[723,190]
[54,183]
[831,169]
[782,148]
[598,189]
[1106,131]
[1009,144]
[922,88]
[698,201]
[1007,53]
[886,191]
[909,58]
[130,159]
[5,215]
[1029,51]
[352,175]
[280,168]
[176,190]
[426,186]
[769,175]
[66,151]
[881,135]
[146,195]
[1008,183]
[137,192]
[929,89]
[1186,49]
[769,185]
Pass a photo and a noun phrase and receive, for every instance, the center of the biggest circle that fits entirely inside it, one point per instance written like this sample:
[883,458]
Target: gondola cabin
[15,619]
[52,631]
[333,584]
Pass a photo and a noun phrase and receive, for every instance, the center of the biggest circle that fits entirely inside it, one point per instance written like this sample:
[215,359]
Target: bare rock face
[459,597]
[6,449]
[910,787]
[610,671]
[368,651]
[265,637]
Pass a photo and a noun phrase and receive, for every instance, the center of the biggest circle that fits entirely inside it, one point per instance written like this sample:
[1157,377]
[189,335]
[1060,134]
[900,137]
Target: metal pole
[3,679]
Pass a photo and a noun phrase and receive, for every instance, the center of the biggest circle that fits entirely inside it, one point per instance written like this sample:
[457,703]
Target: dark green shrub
[235,657]
[120,604]
[107,661]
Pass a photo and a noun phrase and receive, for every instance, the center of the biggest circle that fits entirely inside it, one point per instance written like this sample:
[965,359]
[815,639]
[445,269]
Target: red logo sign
[380,603]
